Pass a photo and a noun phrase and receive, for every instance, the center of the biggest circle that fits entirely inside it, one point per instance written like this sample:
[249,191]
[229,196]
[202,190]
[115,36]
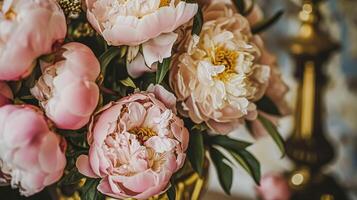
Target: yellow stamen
[226,57]
[142,133]
[10,14]
[164,3]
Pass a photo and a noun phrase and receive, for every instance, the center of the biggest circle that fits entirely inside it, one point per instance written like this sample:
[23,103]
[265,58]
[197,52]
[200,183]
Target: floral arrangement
[125,95]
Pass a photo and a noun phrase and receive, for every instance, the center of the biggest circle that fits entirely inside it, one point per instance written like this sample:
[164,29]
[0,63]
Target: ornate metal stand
[308,147]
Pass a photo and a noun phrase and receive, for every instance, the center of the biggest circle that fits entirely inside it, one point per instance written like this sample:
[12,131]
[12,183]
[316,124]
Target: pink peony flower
[31,155]
[218,76]
[5,94]
[22,35]
[67,89]
[136,144]
[149,23]
[274,187]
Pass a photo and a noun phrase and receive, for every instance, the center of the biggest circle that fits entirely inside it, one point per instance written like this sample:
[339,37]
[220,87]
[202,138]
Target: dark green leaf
[272,130]
[261,26]
[249,163]
[248,10]
[72,177]
[162,70]
[267,105]
[171,192]
[240,5]
[229,143]
[197,22]
[224,171]
[248,125]
[107,57]
[196,152]
[89,190]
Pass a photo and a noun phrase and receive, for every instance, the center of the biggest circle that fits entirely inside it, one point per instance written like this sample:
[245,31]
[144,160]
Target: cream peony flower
[219,77]
[149,23]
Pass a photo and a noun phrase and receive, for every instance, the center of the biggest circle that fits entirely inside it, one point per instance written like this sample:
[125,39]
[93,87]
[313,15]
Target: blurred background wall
[341,97]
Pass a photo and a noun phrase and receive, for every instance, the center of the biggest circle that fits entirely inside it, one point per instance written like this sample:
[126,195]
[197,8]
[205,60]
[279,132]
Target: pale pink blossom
[149,23]
[28,29]
[136,144]
[219,76]
[31,155]
[67,89]
[5,94]
[274,187]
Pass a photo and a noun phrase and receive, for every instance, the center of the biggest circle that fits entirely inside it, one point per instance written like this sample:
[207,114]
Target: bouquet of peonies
[129,93]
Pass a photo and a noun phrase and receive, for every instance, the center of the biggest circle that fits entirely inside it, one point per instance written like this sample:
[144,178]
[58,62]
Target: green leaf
[196,152]
[261,26]
[249,163]
[248,10]
[273,132]
[89,190]
[72,177]
[197,22]
[229,143]
[171,192]
[224,171]
[107,57]
[162,70]
[267,105]
[240,5]
[128,82]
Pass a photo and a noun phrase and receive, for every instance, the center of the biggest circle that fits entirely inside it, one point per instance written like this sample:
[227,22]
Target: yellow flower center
[10,14]
[164,3]
[226,57]
[142,133]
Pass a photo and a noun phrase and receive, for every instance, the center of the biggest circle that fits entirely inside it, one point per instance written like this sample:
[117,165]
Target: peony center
[226,57]
[164,3]
[10,14]
[142,133]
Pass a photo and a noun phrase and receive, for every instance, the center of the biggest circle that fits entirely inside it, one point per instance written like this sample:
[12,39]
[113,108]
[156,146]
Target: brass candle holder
[308,146]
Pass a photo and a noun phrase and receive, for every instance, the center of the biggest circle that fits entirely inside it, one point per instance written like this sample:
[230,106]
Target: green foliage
[272,130]
[72,177]
[107,57]
[267,105]
[240,5]
[197,22]
[171,192]
[243,8]
[224,171]
[128,82]
[237,149]
[196,152]
[89,190]
[162,70]
[249,163]
[229,143]
[268,22]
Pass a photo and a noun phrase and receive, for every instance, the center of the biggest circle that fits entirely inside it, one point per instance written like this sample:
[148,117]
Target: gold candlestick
[308,146]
